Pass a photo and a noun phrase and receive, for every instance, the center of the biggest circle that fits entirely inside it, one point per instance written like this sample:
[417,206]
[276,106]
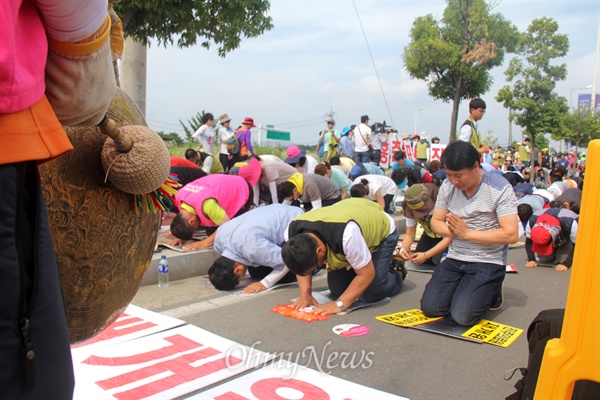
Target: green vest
[523,154]
[426,225]
[216,167]
[328,223]
[422,149]
[475,139]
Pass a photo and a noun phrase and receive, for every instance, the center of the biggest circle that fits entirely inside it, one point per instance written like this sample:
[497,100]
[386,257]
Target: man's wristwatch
[340,304]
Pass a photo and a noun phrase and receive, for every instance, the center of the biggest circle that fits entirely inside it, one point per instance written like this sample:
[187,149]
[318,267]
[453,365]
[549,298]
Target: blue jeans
[386,282]
[463,290]
[362,156]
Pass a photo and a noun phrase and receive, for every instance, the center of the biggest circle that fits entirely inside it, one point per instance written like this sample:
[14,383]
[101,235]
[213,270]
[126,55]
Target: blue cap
[345,130]
[355,172]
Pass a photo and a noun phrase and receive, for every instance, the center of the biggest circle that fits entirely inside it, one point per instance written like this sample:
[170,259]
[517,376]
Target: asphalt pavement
[406,362]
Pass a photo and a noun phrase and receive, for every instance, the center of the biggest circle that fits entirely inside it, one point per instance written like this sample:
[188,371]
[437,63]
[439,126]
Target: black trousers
[35,364]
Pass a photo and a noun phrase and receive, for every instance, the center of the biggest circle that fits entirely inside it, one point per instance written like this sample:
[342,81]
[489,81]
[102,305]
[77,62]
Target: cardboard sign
[483,332]
[164,365]
[135,322]
[407,318]
[292,382]
[493,333]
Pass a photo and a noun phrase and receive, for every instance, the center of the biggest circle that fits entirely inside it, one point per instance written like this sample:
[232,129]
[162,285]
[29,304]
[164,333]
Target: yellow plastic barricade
[576,355]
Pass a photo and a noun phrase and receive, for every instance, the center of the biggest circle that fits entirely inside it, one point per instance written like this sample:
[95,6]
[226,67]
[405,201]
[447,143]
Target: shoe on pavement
[499,299]
[398,266]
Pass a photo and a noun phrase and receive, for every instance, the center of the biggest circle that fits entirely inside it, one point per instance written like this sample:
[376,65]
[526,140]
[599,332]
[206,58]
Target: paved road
[410,363]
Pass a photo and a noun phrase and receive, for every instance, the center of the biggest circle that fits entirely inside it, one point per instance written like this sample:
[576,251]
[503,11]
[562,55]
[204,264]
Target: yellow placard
[493,333]
[407,318]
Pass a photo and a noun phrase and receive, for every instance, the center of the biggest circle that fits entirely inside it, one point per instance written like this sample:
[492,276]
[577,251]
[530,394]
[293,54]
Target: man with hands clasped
[478,210]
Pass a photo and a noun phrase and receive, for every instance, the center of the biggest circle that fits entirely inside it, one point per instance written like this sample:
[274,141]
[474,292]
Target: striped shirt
[493,199]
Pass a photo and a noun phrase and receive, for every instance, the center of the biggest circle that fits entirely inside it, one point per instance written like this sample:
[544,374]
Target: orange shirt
[32,134]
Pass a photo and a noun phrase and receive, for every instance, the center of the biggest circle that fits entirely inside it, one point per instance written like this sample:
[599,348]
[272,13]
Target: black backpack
[547,325]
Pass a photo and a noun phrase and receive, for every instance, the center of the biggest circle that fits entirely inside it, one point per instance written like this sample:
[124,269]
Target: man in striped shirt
[478,210]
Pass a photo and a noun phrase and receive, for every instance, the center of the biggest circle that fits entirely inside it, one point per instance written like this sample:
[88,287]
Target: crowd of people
[469,210]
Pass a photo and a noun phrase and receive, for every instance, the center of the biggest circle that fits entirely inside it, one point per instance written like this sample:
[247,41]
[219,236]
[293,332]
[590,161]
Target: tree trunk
[455,107]
[133,72]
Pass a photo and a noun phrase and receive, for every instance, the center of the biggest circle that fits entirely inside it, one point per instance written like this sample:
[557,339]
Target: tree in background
[171,139]
[222,22]
[454,55]
[192,126]
[531,100]
[581,127]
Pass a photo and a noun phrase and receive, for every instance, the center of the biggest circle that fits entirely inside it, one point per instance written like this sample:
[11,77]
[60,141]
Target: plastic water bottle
[444,255]
[163,272]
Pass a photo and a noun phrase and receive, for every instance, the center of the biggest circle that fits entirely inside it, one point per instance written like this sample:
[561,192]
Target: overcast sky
[316,60]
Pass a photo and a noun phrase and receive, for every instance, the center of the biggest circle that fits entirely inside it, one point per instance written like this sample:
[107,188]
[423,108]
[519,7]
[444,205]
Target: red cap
[544,233]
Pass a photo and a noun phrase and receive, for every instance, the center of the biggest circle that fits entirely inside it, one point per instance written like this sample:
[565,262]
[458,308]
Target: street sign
[277,134]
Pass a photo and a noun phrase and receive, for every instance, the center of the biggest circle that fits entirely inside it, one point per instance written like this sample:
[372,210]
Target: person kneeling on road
[355,240]
[258,253]
[478,210]
[209,202]
[550,238]
[418,205]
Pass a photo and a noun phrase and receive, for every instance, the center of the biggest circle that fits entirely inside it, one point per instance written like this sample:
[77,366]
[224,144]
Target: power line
[373,61]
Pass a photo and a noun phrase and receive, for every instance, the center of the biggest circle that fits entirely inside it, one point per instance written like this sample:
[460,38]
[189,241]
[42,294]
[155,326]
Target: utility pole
[133,72]
[509,129]
[331,115]
[595,82]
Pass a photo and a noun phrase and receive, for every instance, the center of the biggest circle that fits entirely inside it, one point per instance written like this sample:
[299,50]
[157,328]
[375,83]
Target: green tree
[532,102]
[222,22]
[581,127]
[172,139]
[192,126]
[454,55]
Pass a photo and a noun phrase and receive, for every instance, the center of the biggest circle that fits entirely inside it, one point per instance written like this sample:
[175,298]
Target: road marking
[206,305]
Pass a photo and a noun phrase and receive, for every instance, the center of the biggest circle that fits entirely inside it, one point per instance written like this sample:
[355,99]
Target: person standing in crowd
[468,131]
[498,158]
[205,135]
[380,136]
[524,153]
[478,211]
[551,234]
[35,348]
[362,139]
[422,149]
[259,254]
[346,145]
[355,240]
[225,133]
[329,140]
[311,190]
[244,135]
[209,202]
[417,206]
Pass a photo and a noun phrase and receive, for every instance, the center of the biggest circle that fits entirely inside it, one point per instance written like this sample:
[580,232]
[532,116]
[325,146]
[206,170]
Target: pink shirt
[22,56]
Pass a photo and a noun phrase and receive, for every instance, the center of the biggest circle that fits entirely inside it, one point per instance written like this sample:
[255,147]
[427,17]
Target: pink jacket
[231,193]
[22,55]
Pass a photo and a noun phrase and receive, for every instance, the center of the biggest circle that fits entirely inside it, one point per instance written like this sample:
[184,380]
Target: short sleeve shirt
[493,199]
